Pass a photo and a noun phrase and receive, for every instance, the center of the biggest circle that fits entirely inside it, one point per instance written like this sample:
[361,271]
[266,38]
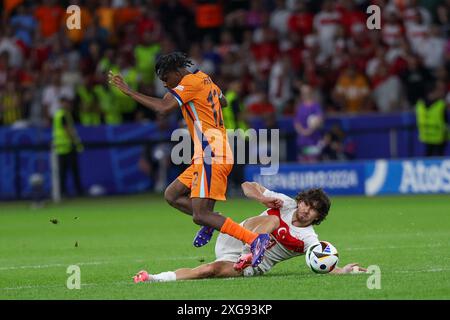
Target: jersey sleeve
[184,92]
[288,202]
[310,240]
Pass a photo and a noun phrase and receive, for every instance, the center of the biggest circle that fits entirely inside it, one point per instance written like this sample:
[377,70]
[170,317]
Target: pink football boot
[141,276]
[244,261]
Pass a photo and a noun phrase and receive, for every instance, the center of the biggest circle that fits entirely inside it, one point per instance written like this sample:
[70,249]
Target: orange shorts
[206,180]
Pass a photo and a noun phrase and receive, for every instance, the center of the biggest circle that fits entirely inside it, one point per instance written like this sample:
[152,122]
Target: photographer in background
[336,145]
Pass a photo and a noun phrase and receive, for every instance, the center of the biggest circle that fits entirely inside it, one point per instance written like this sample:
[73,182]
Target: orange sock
[237,231]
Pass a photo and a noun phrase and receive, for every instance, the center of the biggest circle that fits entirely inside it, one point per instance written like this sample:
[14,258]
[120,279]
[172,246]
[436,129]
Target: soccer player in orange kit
[196,190]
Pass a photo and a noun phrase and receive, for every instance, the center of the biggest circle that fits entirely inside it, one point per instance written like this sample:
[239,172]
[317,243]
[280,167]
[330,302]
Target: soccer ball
[322,257]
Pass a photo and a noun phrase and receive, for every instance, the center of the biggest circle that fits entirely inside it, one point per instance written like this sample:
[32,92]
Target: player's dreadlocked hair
[171,62]
[318,199]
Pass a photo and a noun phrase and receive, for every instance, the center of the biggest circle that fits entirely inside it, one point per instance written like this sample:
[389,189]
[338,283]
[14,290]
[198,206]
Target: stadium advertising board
[407,176]
[345,178]
[415,176]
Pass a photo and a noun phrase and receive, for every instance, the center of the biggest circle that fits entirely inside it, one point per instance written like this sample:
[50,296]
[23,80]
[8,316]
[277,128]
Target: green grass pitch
[110,239]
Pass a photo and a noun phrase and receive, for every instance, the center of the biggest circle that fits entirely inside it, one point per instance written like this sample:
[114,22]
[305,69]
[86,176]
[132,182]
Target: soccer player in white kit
[290,223]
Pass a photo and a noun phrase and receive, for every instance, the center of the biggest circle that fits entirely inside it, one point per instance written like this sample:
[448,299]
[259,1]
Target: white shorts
[228,248]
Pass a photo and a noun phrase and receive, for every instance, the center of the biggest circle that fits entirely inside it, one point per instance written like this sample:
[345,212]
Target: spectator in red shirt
[392,31]
[265,52]
[327,24]
[41,51]
[148,23]
[295,51]
[300,21]
[353,20]
[127,13]
[261,107]
[49,16]
[361,48]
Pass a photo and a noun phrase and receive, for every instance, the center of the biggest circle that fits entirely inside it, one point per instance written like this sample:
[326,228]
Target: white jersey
[290,241]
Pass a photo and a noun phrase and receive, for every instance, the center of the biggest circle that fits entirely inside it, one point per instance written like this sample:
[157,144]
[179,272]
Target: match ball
[322,257]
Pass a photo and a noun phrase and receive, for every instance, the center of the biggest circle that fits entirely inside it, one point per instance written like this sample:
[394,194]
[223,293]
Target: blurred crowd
[272,58]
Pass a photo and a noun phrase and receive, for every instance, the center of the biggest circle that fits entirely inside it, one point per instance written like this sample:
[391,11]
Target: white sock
[164,276]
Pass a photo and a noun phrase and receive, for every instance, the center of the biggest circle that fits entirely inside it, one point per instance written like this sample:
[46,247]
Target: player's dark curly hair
[318,199]
[171,62]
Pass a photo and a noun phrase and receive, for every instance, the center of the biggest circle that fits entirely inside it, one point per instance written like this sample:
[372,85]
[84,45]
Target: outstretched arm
[160,106]
[255,191]
[349,268]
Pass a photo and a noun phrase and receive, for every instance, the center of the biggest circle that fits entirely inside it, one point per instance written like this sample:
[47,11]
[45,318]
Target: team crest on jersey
[282,232]
[179,88]
[283,235]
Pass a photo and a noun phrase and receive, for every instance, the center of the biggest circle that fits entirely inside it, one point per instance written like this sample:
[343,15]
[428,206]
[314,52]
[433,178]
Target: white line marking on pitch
[31,287]
[44,266]
[55,265]
[396,247]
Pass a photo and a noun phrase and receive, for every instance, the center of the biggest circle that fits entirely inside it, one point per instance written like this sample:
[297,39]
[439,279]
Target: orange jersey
[198,97]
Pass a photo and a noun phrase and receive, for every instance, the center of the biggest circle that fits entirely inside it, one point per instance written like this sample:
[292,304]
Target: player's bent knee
[170,197]
[199,218]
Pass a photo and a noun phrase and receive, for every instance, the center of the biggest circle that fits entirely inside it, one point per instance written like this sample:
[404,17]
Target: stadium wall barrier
[110,159]
[379,177]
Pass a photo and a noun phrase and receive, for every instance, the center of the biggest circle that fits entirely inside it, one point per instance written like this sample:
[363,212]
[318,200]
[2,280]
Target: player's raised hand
[273,203]
[117,81]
